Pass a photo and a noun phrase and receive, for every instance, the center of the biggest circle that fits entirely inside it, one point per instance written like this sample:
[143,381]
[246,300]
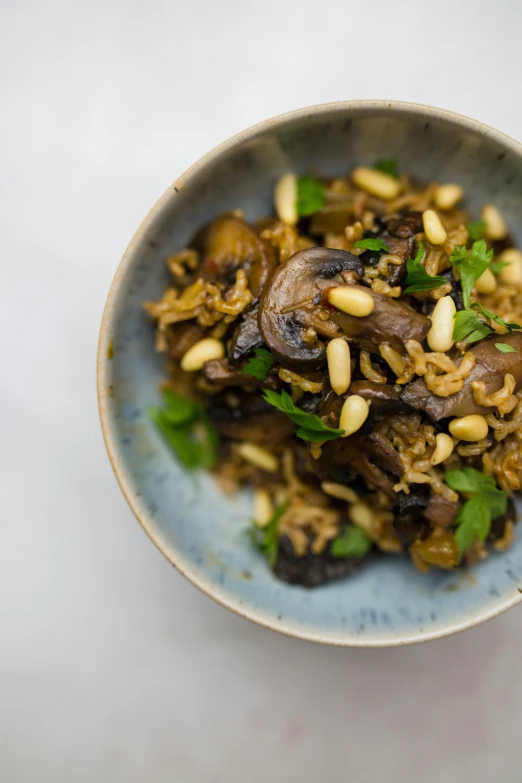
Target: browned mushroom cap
[490,367]
[390,322]
[295,288]
[228,244]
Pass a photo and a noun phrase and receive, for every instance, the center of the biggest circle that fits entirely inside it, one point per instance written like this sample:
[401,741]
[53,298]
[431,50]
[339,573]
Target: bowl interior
[198,528]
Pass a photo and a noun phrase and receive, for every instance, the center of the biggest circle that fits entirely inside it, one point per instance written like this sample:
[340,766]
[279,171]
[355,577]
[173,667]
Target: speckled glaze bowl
[197,528]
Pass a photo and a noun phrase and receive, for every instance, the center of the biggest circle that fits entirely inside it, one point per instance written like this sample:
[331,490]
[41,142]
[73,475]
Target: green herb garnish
[417,279]
[187,429]
[310,196]
[471,264]
[504,348]
[309,426]
[509,325]
[387,166]
[259,365]
[476,229]
[484,503]
[469,326]
[372,244]
[266,539]
[352,542]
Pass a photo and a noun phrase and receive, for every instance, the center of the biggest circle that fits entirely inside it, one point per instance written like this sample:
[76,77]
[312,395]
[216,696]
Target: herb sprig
[387,166]
[417,279]
[310,196]
[259,365]
[352,542]
[266,539]
[309,425]
[471,264]
[187,429]
[484,503]
[372,243]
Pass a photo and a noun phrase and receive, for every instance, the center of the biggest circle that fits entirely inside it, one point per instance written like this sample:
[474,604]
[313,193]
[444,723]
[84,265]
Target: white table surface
[112,667]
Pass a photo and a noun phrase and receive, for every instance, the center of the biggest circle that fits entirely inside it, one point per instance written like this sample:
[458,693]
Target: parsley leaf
[266,539]
[476,229]
[310,196]
[387,166]
[500,321]
[259,365]
[471,265]
[372,244]
[187,429]
[352,542]
[469,326]
[504,348]
[417,279]
[484,504]
[310,426]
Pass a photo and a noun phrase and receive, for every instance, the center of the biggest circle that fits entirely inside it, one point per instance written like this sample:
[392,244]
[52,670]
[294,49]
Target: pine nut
[285,199]
[443,448]
[339,367]
[511,274]
[440,336]
[351,300]
[263,508]
[376,183]
[448,196]
[353,414]
[203,351]
[339,491]
[495,224]
[470,428]
[260,458]
[361,515]
[486,283]
[433,228]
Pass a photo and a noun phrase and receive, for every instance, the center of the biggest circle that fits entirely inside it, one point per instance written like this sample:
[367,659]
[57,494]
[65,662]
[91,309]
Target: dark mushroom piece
[390,322]
[228,244]
[383,397]
[218,373]
[181,337]
[295,288]
[312,570]
[490,367]
[241,416]
[398,233]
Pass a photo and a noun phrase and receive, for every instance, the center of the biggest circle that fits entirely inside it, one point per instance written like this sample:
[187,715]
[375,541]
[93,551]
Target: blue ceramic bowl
[197,528]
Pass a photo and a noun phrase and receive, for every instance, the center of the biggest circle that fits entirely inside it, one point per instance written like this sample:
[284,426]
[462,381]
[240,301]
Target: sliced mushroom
[245,337]
[217,373]
[490,367]
[398,233]
[390,322]
[228,244]
[181,337]
[384,399]
[312,570]
[289,299]
[241,416]
[441,512]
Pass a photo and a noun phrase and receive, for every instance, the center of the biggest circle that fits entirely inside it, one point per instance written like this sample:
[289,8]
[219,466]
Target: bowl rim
[142,515]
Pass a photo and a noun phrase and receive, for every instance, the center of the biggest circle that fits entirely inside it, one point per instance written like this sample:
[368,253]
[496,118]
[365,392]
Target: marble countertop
[112,667]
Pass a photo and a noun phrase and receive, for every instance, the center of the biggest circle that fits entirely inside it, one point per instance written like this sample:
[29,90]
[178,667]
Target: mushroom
[218,373]
[312,570]
[242,416]
[490,367]
[398,233]
[383,397]
[390,322]
[181,337]
[245,337]
[289,299]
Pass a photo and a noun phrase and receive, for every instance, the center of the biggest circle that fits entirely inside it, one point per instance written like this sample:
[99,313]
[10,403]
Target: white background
[112,667]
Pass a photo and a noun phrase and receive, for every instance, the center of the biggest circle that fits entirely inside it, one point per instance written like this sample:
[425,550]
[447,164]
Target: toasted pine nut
[263,508]
[440,336]
[443,448]
[433,228]
[495,224]
[339,491]
[351,300]
[361,514]
[285,199]
[203,351]
[376,183]
[353,414]
[448,196]
[257,456]
[470,428]
[512,273]
[339,368]
[486,283]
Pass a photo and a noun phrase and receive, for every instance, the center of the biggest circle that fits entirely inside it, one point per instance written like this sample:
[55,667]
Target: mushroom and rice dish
[355,359]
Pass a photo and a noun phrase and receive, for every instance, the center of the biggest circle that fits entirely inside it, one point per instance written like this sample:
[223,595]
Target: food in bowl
[355,360]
